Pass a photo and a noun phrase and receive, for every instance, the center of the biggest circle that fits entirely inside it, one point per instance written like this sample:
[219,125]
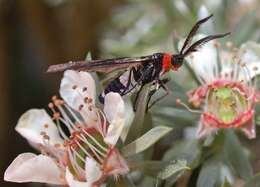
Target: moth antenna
[194,47]
[193,32]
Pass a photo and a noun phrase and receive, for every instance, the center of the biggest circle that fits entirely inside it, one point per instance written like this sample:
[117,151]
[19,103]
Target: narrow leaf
[129,116]
[237,155]
[173,117]
[124,181]
[226,184]
[213,173]
[136,126]
[253,181]
[145,141]
[174,168]
[149,167]
[189,150]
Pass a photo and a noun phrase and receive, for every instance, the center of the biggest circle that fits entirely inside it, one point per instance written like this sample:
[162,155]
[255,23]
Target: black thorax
[143,74]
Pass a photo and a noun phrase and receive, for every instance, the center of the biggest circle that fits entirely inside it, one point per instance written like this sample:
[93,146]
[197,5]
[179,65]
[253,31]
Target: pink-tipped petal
[115,164]
[249,129]
[204,130]
[197,96]
[28,167]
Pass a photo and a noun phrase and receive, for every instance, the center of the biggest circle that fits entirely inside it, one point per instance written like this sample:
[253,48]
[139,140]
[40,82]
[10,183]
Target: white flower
[77,143]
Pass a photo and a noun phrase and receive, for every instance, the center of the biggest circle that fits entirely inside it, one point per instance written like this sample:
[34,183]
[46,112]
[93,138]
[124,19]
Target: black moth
[140,70]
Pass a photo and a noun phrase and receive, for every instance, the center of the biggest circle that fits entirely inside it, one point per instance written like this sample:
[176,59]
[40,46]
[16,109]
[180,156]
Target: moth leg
[161,84]
[126,91]
[138,82]
[136,97]
[151,93]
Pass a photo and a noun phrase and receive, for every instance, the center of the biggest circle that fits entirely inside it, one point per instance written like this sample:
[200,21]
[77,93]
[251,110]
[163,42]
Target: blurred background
[37,33]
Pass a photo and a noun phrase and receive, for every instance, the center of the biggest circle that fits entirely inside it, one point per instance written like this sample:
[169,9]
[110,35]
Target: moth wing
[107,65]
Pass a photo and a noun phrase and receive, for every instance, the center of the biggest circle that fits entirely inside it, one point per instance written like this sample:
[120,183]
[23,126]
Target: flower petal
[93,172]
[73,182]
[28,167]
[208,27]
[203,129]
[197,96]
[114,106]
[204,61]
[78,90]
[115,113]
[249,54]
[114,131]
[129,117]
[115,164]
[249,129]
[33,123]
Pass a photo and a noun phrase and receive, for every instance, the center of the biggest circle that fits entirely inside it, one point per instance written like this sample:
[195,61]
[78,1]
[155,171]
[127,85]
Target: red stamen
[239,121]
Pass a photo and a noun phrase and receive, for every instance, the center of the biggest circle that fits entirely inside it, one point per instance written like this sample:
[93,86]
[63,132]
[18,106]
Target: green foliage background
[35,34]
[148,26]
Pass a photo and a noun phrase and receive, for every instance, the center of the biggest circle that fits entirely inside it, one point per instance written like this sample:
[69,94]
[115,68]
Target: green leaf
[147,125]
[226,184]
[245,28]
[174,117]
[145,141]
[176,91]
[150,168]
[174,168]
[148,181]
[213,173]
[237,156]
[123,181]
[189,150]
[253,181]
[136,126]
[129,116]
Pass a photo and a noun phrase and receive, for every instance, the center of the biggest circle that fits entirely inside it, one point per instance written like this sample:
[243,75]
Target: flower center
[226,103]
[81,140]
[86,142]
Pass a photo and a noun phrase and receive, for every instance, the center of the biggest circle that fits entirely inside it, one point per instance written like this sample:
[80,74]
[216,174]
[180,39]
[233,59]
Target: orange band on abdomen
[166,63]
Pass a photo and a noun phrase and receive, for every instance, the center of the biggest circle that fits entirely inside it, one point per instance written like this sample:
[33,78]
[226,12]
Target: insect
[140,71]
